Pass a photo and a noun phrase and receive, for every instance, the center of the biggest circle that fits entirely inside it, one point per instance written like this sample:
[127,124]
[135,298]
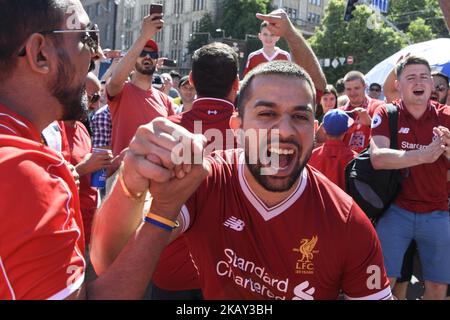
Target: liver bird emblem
[306,248]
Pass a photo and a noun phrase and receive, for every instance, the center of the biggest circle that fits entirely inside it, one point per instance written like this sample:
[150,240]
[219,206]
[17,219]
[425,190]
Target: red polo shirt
[331,159]
[425,187]
[41,230]
[358,135]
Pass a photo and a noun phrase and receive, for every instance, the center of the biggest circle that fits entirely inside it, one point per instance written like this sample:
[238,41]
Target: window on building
[199,5]
[128,39]
[98,9]
[129,17]
[107,32]
[145,10]
[109,5]
[178,6]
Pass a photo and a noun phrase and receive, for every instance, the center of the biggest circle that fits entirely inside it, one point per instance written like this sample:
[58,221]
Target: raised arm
[302,54]
[445,7]
[125,250]
[122,71]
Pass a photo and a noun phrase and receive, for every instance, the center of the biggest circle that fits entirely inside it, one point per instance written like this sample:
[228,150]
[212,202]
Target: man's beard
[73,99]
[289,181]
[139,68]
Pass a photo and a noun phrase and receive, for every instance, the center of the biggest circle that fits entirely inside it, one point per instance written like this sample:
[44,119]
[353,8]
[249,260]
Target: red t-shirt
[175,270]
[259,56]
[310,246]
[331,159]
[133,107]
[358,135]
[41,229]
[80,145]
[424,187]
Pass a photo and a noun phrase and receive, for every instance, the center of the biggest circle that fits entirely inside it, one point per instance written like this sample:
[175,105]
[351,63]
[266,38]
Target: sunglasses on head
[89,37]
[153,54]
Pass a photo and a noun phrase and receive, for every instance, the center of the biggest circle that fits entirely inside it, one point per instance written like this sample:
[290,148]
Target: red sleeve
[364,276]
[380,123]
[249,65]
[41,241]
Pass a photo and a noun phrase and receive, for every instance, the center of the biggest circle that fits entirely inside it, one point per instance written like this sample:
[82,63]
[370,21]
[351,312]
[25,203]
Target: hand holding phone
[156,8]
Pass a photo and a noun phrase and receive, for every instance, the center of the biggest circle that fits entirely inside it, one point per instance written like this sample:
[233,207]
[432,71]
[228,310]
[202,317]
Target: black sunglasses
[89,38]
[375,89]
[153,54]
[440,88]
[94,98]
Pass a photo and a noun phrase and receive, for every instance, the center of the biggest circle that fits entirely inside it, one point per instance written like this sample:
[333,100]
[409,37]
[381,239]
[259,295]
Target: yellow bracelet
[170,223]
[137,196]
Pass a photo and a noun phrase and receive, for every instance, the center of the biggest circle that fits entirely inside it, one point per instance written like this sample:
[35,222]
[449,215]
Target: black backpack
[374,190]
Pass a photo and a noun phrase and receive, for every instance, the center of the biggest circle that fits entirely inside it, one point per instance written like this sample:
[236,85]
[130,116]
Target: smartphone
[170,63]
[156,8]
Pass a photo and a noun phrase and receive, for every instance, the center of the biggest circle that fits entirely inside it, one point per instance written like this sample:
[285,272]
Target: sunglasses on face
[94,98]
[153,54]
[440,88]
[89,37]
[375,89]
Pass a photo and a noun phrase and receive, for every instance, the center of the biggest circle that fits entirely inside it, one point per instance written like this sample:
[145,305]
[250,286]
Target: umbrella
[437,52]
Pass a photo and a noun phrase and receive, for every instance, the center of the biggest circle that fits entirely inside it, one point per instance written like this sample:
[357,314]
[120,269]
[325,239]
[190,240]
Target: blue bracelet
[158,224]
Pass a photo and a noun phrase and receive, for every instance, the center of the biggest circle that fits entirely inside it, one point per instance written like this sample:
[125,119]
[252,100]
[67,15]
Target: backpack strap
[393,123]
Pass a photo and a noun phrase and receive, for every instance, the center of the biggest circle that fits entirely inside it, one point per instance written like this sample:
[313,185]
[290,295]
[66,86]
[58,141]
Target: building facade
[103,13]
[182,18]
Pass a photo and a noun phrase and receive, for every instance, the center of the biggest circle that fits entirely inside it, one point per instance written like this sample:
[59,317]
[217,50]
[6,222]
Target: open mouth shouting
[282,158]
[419,92]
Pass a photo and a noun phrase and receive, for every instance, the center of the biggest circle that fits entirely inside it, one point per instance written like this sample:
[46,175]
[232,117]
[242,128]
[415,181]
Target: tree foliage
[405,12]
[203,35]
[418,31]
[368,40]
[239,17]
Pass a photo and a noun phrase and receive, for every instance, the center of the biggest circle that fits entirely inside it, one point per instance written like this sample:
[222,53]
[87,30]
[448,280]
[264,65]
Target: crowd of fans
[204,185]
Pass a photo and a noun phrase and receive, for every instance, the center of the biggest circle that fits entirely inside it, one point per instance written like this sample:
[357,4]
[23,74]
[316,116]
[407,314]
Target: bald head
[92,84]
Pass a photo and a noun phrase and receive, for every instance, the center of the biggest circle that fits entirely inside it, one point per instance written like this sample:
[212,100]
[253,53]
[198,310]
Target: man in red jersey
[258,229]
[363,107]
[269,51]
[333,156]
[46,51]
[135,102]
[420,211]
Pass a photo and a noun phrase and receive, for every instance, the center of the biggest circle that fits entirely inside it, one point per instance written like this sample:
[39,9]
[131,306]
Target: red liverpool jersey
[357,136]
[257,57]
[41,233]
[312,245]
[424,187]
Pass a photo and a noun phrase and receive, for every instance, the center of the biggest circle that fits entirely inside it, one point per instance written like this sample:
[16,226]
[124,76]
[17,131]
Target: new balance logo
[403,130]
[212,112]
[301,293]
[235,224]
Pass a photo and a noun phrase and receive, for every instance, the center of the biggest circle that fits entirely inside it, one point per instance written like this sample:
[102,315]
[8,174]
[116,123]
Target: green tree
[239,16]
[418,31]
[203,35]
[404,12]
[365,38]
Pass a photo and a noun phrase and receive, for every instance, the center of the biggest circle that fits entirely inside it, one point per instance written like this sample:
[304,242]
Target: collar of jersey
[266,212]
